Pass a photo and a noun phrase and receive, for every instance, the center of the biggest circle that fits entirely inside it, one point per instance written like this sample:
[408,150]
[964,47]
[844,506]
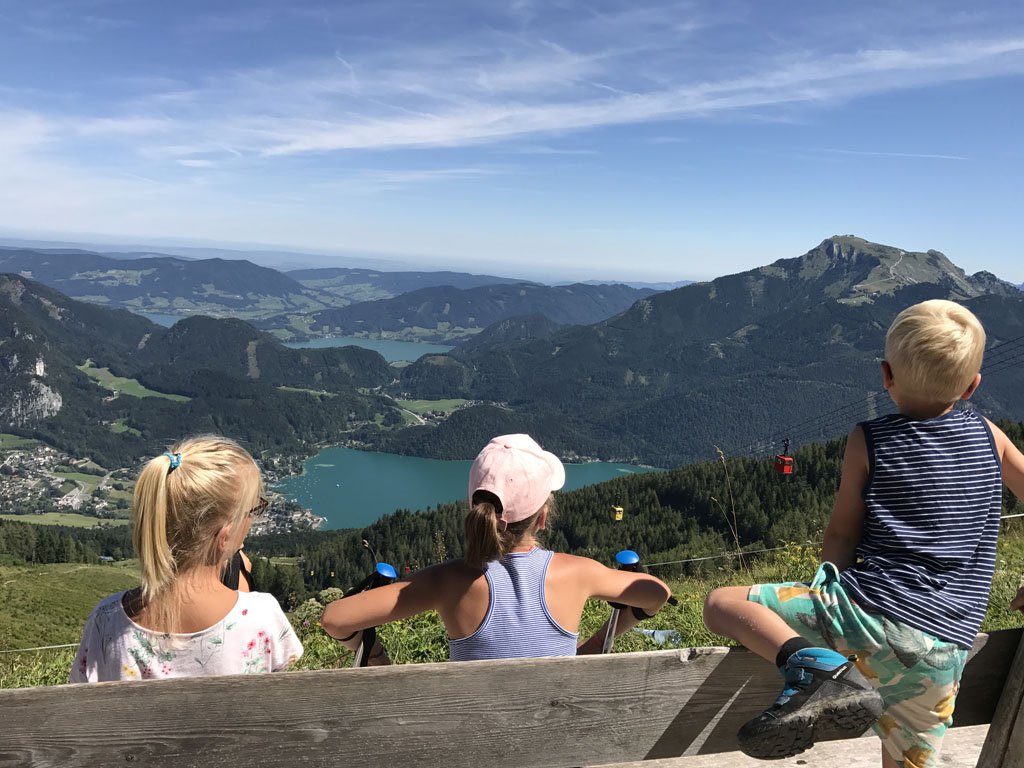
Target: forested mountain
[742,358]
[167,284]
[443,313]
[509,331]
[228,377]
[238,349]
[358,285]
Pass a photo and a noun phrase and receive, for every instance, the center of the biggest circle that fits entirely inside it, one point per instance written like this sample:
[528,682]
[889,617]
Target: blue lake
[390,350]
[165,320]
[353,488]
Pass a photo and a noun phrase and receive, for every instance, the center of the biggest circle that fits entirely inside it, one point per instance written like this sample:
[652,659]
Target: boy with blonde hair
[880,635]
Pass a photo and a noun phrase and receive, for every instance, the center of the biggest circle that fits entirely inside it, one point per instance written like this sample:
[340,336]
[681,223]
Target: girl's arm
[1012,460]
[639,590]
[846,526]
[345,618]
[1013,477]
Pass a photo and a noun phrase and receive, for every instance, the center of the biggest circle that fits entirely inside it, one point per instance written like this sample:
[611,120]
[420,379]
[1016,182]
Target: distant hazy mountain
[727,362]
[635,284]
[444,313]
[358,285]
[264,256]
[167,284]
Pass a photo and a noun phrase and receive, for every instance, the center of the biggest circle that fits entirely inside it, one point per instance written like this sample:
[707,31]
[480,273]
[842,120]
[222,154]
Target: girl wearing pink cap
[508,597]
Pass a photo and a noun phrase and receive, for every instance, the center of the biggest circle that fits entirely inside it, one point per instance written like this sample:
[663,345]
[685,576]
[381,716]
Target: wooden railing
[590,710]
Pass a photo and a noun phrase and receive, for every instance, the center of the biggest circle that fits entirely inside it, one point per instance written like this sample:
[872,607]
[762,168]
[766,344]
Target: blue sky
[627,140]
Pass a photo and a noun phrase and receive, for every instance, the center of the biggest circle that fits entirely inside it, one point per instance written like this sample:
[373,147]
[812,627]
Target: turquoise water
[165,320]
[353,488]
[392,351]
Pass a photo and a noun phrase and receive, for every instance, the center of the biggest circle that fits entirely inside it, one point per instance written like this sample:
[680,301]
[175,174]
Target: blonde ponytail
[149,508]
[180,508]
[485,539]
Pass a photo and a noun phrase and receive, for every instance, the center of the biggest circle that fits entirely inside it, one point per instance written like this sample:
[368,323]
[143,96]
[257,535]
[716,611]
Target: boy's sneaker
[825,695]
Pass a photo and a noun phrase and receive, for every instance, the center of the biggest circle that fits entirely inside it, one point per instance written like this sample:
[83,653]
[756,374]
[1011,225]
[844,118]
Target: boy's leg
[729,612]
[824,693]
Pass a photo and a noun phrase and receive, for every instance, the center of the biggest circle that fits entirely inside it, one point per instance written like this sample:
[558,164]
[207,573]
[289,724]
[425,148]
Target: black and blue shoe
[825,696]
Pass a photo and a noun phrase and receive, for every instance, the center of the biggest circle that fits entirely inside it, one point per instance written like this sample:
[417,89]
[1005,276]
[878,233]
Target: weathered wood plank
[1005,741]
[960,749]
[545,712]
[528,713]
[988,666]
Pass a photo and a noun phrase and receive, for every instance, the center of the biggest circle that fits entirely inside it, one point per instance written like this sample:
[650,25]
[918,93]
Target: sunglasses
[260,508]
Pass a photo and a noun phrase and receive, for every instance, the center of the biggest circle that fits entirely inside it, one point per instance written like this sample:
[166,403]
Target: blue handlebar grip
[387,571]
[627,557]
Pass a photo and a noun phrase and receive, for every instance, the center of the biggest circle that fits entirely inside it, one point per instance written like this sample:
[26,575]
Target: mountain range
[742,362]
[438,306]
[167,284]
[358,285]
[445,313]
[789,350]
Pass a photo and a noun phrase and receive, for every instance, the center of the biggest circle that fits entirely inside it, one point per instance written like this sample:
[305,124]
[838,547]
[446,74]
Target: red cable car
[784,463]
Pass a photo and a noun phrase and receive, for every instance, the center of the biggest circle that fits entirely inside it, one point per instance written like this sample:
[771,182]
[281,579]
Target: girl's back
[517,621]
[254,636]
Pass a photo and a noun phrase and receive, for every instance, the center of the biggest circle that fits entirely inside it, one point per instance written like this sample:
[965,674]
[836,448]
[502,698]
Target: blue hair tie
[175,461]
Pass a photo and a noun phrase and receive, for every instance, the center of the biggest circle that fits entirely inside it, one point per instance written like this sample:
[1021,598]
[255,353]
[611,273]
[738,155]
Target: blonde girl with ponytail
[192,508]
[508,597]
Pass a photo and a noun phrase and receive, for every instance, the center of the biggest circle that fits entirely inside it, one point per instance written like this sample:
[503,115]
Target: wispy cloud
[467,116]
[921,155]
[555,71]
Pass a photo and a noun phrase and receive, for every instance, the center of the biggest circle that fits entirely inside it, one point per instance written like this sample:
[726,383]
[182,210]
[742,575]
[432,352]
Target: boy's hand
[1017,604]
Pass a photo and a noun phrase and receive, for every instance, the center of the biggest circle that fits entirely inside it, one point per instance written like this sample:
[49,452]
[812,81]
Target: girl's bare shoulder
[574,564]
[449,574]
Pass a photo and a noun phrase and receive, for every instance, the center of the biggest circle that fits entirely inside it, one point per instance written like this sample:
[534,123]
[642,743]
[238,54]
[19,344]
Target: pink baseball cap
[519,472]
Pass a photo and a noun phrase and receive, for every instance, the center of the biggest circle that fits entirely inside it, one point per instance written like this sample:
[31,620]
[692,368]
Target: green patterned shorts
[916,674]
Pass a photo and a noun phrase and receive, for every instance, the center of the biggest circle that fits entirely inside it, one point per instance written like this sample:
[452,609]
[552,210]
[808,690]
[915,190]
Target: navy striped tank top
[517,624]
[933,500]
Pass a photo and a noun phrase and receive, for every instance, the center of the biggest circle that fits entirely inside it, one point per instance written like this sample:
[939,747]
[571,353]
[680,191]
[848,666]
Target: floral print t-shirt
[254,637]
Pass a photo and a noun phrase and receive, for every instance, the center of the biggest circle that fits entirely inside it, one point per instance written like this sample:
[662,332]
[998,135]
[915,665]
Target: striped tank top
[517,624]
[933,500]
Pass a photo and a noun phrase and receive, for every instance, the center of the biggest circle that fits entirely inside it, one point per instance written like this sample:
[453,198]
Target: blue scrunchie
[175,460]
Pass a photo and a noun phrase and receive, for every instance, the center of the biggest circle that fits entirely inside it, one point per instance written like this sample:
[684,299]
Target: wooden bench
[655,706]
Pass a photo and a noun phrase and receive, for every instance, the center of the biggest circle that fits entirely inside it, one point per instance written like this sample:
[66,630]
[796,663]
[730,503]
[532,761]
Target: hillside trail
[416,416]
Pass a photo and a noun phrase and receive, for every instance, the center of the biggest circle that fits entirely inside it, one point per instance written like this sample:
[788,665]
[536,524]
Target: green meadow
[425,406]
[131,387]
[15,443]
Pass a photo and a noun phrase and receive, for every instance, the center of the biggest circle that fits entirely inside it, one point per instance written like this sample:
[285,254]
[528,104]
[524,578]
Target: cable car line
[998,358]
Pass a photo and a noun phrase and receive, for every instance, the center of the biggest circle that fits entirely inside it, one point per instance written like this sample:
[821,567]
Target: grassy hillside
[49,604]
[108,380]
